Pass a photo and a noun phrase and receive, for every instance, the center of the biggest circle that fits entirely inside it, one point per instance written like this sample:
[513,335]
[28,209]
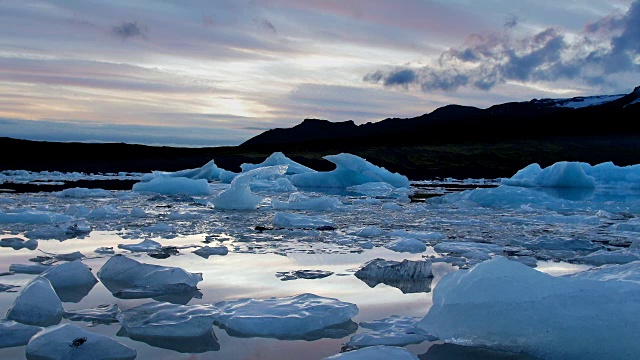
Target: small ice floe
[176,215]
[563,174]
[33,217]
[18,243]
[505,305]
[378,352]
[239,196]
[278,158]
[391,206]
[350,170]
[144,246]
[602,257]
[61,231]
[69,341]
[101,314]
[527,260]
[407,275]
[303,316]
[76,255]
[33,269]
[161,319]
[158,228]
[104,250]
[368,231]
[207,251]
[556,243]
[300,221]
[394,331]
[37,304]
[173,186]
[72,281]
[299,201]
[377,188]
[470,250]
[612,272]
[155,291]
[425,236]
[13,333]
[629,225]
[7,288]
[303,274]
[77,211]
[409,245]
[137,212]
[121,272]
[81,193]
[107,212]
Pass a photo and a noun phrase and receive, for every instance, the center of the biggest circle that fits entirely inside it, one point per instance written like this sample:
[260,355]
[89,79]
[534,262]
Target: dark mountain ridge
[452,141]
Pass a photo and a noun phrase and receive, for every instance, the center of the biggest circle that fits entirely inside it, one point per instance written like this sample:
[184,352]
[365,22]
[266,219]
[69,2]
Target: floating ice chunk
[208,171]
[106,212]
[7,288]
[156,291]
[284,318]
[80,193]
[406,245]
[470,248]
[425,236]
[127,272]
[350,170]
[144,246]
[101,314]
[378,352]
[298,201]
[277,185]
[505,305]
[226,177]
[160,319]
[391,206]
[33,269]
[158,228]
[18,243]
[239,196]
[278,158]
[69,276]
[37,304]
[602,257]
[207,251]
[629,225]
[16,334]
[373,188]
[69,341]
[104,250]
[368,231]
[303,274]
[409,276]
[33,217]
[393,331]
[137,212]
[76,255]
[612,272]
[173,186]
[527,260]
[175,215]
[560,174]
[300,221]
[77,211]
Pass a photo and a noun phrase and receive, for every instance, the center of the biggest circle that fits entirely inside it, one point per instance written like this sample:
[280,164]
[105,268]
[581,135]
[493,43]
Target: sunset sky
[210,73]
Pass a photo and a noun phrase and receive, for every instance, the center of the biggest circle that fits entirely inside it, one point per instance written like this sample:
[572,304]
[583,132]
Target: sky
[217,72]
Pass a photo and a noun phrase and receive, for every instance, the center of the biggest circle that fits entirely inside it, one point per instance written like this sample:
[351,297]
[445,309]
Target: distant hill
[452,141]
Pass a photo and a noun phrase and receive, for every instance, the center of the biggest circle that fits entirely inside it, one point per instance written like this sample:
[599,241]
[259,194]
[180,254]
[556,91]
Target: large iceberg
[173,186]
[292,317]
[37,304]
[505,305]
[239,195]
[350,170]
[13,333]
[278,158]
[208,171]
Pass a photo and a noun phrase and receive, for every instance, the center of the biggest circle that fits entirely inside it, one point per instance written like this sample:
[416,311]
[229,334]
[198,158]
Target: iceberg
[292,317]
[406,245]
[173,186]
[72,281]
[392,331]
[161,319]
[207,251]
[69,341]
[298,201]
[278,158]
[407,275]
[560,174]
[101,314]
[143,246]
[612,272]
[37,304]
[350,170]
[508,306]
[18,243]
[16,334]
[239,196]
[208,171]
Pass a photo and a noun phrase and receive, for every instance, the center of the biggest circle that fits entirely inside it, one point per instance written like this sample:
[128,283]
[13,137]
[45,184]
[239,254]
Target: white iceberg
[300,221]
[37,304]
[379,352]
[285,317]
[350,170]
[70,274]
[560,174]
[13,333]
[207,251]
[406,245]
[368,231]
[425,236]
[208,171]
[69,341]
[277,185]
[173,186]
[239,196]
[278,158]
[508,306]
[143,246]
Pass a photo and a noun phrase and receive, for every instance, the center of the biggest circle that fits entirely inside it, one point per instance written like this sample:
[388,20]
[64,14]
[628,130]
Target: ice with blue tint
[393,331]
[69,341]
[299,201]
[69,275]
[37,304]
[350,170]
[32,217]
[84,193]
[300,221]
[124,271]
[161,319]
[505,305]
[378,352]
[208,171]
[173,186]
[13,333]
[278,158]
[629,271]
[239,195]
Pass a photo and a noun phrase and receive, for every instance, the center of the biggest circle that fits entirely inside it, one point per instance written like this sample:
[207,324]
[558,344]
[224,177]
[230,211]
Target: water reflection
[189,345]
[173,293]
[406,286]
[337,331]
[76,293]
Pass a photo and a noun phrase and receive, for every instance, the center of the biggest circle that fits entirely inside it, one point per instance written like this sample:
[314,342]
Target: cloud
[608,46]
[127,30]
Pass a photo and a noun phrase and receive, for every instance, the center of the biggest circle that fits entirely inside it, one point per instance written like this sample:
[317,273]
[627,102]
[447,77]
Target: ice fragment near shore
[37,304]
[350,170]
[509,306]
[127,272]
[69,341]
[285,317]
